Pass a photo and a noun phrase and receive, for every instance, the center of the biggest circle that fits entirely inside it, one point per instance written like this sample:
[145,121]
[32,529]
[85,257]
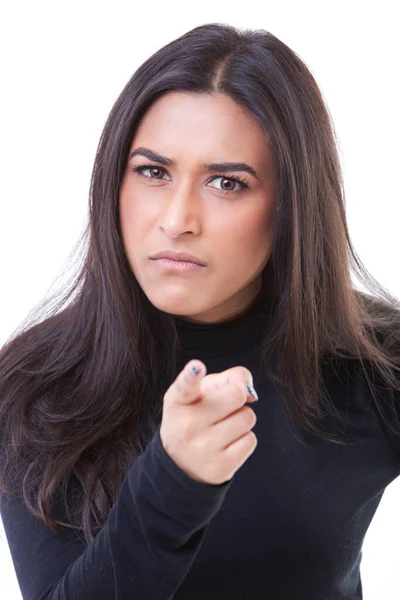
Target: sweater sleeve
[144,551]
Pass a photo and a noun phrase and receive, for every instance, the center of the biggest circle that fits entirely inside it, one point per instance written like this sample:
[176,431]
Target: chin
[177,307]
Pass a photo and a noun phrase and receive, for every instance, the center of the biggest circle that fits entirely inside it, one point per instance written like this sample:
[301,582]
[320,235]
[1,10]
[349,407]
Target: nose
[181,214]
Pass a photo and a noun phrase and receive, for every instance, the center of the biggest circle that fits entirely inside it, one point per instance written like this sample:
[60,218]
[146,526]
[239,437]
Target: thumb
[186,387]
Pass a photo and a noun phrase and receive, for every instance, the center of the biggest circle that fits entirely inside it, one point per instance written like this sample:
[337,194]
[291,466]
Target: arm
[144,551]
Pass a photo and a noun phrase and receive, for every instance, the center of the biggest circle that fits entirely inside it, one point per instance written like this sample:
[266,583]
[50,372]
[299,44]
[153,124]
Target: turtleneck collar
[207,340]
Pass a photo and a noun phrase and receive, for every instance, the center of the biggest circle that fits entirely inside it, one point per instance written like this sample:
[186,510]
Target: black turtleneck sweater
[289,525]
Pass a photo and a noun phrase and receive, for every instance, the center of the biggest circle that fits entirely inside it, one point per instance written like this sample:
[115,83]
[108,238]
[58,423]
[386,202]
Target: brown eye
[155,169]
[141,168]
[231,184]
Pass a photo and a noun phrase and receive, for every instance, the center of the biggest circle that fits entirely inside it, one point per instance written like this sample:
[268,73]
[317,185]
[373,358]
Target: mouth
[176,265]
[178,257]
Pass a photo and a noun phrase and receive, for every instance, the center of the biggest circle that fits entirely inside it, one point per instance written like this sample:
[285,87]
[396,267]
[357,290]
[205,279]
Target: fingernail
[194,370]
[251,391]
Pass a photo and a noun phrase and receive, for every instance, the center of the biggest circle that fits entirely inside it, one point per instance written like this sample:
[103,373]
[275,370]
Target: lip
[177,266]
[179,256]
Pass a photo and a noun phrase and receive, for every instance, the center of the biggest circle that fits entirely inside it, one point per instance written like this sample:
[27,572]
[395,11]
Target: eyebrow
[221,167]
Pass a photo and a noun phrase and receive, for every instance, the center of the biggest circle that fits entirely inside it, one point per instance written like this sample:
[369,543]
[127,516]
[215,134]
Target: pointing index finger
[187,385]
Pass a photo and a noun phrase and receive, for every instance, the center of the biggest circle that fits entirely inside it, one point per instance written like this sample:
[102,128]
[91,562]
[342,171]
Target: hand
[205,427]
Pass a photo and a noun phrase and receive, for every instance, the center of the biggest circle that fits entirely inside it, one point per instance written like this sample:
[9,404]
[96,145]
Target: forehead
[199,125]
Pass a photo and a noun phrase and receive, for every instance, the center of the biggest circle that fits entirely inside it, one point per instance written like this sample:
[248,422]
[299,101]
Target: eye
[242,182]
[140,168]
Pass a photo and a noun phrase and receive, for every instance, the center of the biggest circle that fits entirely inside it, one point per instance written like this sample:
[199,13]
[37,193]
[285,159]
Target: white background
[63,66]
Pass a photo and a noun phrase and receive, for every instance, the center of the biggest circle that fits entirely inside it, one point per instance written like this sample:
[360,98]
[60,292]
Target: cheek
[130,215]
[135,209]
[252,234]
[129,221]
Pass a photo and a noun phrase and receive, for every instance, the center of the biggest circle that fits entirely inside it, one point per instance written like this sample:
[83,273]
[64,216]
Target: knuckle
[238,392]
[245,373]
[250,416]
[253,438]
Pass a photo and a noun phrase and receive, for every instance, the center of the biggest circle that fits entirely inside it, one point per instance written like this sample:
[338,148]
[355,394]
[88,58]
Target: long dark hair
[79,387]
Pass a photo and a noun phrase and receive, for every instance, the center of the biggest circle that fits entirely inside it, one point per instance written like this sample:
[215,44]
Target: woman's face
[187,207]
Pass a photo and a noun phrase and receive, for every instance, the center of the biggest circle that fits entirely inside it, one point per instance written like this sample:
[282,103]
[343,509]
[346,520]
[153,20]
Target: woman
[125,474]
